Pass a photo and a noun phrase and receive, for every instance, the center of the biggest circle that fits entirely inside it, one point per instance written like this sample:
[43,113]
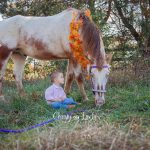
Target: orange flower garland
[88,13]
[76,43]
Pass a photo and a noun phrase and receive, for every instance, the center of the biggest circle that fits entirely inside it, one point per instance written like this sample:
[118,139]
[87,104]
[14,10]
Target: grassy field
[122,123]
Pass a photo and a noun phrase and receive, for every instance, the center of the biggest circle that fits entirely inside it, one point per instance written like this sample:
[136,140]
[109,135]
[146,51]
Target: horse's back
[33,34]
[49,34]
[47,24]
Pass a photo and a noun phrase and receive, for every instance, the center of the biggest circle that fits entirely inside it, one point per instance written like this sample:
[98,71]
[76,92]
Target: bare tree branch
[126,22]
[109,11]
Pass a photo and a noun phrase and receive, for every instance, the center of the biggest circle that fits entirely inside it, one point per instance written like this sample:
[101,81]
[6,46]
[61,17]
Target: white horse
[46,38]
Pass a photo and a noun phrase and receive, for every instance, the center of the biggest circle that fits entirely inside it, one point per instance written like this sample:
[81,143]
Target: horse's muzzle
[99,96]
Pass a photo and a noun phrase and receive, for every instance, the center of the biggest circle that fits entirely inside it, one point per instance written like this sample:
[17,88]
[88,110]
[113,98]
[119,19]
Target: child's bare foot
[71,106]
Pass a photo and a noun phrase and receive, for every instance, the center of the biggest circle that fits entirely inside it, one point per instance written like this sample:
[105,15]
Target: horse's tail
[91,39]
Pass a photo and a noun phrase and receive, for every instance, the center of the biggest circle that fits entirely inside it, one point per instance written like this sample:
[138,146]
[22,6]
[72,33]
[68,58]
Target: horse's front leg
[19,61]
[74,71]
[69,77]
[79,80]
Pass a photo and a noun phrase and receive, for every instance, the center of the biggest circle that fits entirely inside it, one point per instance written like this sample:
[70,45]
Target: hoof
[22,94]
[2,98]
[85,99]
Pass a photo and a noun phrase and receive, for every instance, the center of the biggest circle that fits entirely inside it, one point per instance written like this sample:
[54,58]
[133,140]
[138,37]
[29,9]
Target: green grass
[121,123]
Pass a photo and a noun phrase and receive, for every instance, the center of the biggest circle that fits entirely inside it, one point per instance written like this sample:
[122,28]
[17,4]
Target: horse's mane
[91,35]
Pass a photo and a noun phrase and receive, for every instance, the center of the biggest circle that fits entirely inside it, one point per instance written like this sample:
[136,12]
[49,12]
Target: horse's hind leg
[4,57]
[19,61]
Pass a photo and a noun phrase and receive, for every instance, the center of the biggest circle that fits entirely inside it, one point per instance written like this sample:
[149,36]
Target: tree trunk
[146,50]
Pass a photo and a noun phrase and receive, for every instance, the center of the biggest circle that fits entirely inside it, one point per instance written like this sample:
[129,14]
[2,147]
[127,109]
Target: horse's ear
[109,57]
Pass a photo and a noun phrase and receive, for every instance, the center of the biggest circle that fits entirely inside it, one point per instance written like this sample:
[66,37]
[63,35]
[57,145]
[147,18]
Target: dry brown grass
[130,73]
[85,136]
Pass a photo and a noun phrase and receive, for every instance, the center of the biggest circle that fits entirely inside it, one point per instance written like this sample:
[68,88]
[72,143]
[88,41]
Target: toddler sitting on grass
[55,95]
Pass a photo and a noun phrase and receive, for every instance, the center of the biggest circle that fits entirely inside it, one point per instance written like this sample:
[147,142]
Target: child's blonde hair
[54,75]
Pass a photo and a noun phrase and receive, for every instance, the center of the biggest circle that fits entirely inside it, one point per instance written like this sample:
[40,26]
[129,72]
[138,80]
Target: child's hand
[63,97]
[60,99]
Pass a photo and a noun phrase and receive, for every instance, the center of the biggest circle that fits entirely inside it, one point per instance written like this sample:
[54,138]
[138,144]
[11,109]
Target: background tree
[125,24]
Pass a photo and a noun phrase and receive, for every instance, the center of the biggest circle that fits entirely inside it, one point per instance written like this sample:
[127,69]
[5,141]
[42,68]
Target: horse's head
[93,46]
[99,77]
